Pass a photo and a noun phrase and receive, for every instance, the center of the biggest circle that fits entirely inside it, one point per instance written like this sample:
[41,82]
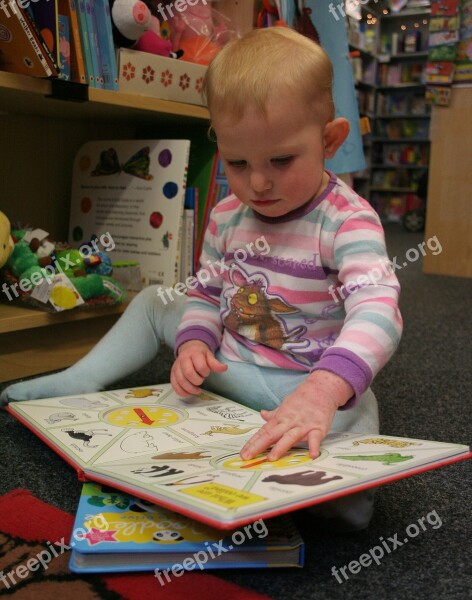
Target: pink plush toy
[199,32]
[135,27]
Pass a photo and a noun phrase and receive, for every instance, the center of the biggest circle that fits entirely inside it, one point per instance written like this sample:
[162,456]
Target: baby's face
[276,164]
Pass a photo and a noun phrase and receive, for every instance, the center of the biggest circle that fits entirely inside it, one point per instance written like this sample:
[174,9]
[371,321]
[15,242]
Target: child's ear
[335,133]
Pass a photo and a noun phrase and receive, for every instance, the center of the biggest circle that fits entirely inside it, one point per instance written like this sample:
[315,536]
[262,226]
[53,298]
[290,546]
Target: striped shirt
[313,289]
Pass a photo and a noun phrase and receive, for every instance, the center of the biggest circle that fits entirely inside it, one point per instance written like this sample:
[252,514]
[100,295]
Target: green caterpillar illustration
[390,458]
[386,441]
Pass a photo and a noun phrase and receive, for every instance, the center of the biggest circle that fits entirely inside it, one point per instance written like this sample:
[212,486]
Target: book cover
[183,454]
[134,191]
[22,49]
[67,8]
[116,532]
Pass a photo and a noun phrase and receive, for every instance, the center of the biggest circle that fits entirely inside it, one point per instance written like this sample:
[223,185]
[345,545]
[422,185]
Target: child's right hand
[194,363]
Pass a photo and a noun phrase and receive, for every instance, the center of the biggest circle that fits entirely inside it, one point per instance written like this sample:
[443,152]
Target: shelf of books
[400,137]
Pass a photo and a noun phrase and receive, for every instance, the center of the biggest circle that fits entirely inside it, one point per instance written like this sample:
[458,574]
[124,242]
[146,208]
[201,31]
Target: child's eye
[281,160]
[237,164]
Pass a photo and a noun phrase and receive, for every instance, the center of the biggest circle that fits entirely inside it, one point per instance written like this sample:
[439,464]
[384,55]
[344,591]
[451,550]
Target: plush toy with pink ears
[135,27]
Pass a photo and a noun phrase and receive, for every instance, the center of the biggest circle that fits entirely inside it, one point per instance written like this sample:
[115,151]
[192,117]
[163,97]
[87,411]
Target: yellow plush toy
[6,241]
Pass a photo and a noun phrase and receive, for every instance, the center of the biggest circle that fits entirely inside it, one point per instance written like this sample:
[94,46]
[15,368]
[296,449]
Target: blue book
[64,47]
[117,532]
[93,42]
[105,44]
[84,38]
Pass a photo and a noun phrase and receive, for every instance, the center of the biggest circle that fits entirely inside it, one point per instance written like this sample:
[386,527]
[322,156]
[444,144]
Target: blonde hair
[264,62]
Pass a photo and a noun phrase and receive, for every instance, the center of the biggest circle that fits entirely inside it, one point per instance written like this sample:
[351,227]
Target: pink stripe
[359,225]
[369,343]
[298,297]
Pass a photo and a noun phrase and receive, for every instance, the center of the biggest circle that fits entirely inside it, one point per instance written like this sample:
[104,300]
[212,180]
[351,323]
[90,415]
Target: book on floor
[114,531]
[183,454]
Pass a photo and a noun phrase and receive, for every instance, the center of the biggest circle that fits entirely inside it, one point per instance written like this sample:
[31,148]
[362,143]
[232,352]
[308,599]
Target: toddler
[297,311]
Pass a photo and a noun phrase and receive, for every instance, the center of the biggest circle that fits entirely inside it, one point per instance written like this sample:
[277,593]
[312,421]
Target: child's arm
[193,364]
[306,414]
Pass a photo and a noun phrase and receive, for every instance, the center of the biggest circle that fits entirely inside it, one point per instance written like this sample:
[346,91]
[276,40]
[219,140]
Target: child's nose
[259,182]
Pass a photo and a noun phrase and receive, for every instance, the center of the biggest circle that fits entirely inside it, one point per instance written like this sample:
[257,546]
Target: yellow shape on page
[222,495]
[63,297]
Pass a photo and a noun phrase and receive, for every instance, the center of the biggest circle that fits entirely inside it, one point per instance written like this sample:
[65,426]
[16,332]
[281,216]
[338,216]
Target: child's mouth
[265,202]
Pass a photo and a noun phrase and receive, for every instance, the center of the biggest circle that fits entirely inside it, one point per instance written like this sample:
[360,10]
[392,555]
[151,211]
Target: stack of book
[60,38]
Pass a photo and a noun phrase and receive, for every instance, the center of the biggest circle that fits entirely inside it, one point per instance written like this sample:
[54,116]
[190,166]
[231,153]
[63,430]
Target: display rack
[41,134]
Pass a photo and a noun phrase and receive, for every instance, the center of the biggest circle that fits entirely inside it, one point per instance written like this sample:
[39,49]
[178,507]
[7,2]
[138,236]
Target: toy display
[53,276]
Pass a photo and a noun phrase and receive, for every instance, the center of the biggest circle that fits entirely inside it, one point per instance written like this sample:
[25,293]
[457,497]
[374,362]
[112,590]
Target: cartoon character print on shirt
[254,314]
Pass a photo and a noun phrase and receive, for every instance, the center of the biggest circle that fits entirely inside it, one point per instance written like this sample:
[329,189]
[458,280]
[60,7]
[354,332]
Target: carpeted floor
[424,392]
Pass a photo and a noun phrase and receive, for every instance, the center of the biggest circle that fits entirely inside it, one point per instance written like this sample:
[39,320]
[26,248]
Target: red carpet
[31,530]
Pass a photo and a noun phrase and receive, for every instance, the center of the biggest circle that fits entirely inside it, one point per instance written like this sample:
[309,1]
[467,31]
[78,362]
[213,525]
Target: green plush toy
[25,269]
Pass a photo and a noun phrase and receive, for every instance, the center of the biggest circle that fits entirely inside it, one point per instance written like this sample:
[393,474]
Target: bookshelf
[400,140]
[41,135]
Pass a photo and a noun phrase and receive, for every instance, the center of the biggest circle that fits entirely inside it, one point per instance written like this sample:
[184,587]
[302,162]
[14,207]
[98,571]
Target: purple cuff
[350,367]
[196,333]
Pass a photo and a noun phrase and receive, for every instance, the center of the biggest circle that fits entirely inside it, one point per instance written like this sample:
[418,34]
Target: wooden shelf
[16,318]
[20,94]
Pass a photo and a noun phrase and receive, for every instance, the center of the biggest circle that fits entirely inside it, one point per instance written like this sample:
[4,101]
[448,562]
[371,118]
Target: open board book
[115,531]
[183,454]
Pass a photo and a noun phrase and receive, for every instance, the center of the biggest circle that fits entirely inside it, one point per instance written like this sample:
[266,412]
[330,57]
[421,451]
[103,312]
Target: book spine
[93,40]
[105,45]
[78,65]
[38,46]
[84,37]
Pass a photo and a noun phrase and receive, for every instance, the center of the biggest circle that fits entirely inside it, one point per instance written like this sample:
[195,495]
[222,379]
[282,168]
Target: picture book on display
[114,532]
[133,191]
[183,454]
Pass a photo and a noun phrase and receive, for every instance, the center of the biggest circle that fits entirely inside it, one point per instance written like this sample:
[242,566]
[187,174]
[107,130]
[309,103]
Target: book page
[132,191]
[185,452]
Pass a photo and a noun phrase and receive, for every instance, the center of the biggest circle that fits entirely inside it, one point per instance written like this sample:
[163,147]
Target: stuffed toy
[135,27]
[6,241]
[199,32]
[85,280]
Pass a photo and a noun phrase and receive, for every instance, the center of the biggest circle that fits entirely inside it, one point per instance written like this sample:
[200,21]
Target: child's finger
[215,364]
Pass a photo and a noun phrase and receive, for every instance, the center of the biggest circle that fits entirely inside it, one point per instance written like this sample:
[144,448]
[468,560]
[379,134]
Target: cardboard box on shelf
[160,77]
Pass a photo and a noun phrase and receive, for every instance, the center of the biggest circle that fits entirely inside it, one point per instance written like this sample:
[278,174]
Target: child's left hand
[306,414]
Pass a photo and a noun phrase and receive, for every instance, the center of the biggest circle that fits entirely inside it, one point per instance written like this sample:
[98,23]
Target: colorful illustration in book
[386,442]
[302,478]
[57,417]
[389,458]
[142,416]
[227,430]
[293,458]
[144,393]
[137,165]
[186,453]
[85,436]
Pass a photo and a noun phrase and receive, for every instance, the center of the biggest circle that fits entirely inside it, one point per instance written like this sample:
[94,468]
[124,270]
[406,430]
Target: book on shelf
[64,47]
[184,454]
[45,16]
[115,532]
[22,48]
[68,9]
[133,191]
[106,46]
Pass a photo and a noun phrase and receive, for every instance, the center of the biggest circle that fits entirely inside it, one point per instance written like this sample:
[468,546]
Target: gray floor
[424,392]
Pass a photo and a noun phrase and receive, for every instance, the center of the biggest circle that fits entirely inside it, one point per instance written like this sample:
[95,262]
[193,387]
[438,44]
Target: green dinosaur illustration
[389,458]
